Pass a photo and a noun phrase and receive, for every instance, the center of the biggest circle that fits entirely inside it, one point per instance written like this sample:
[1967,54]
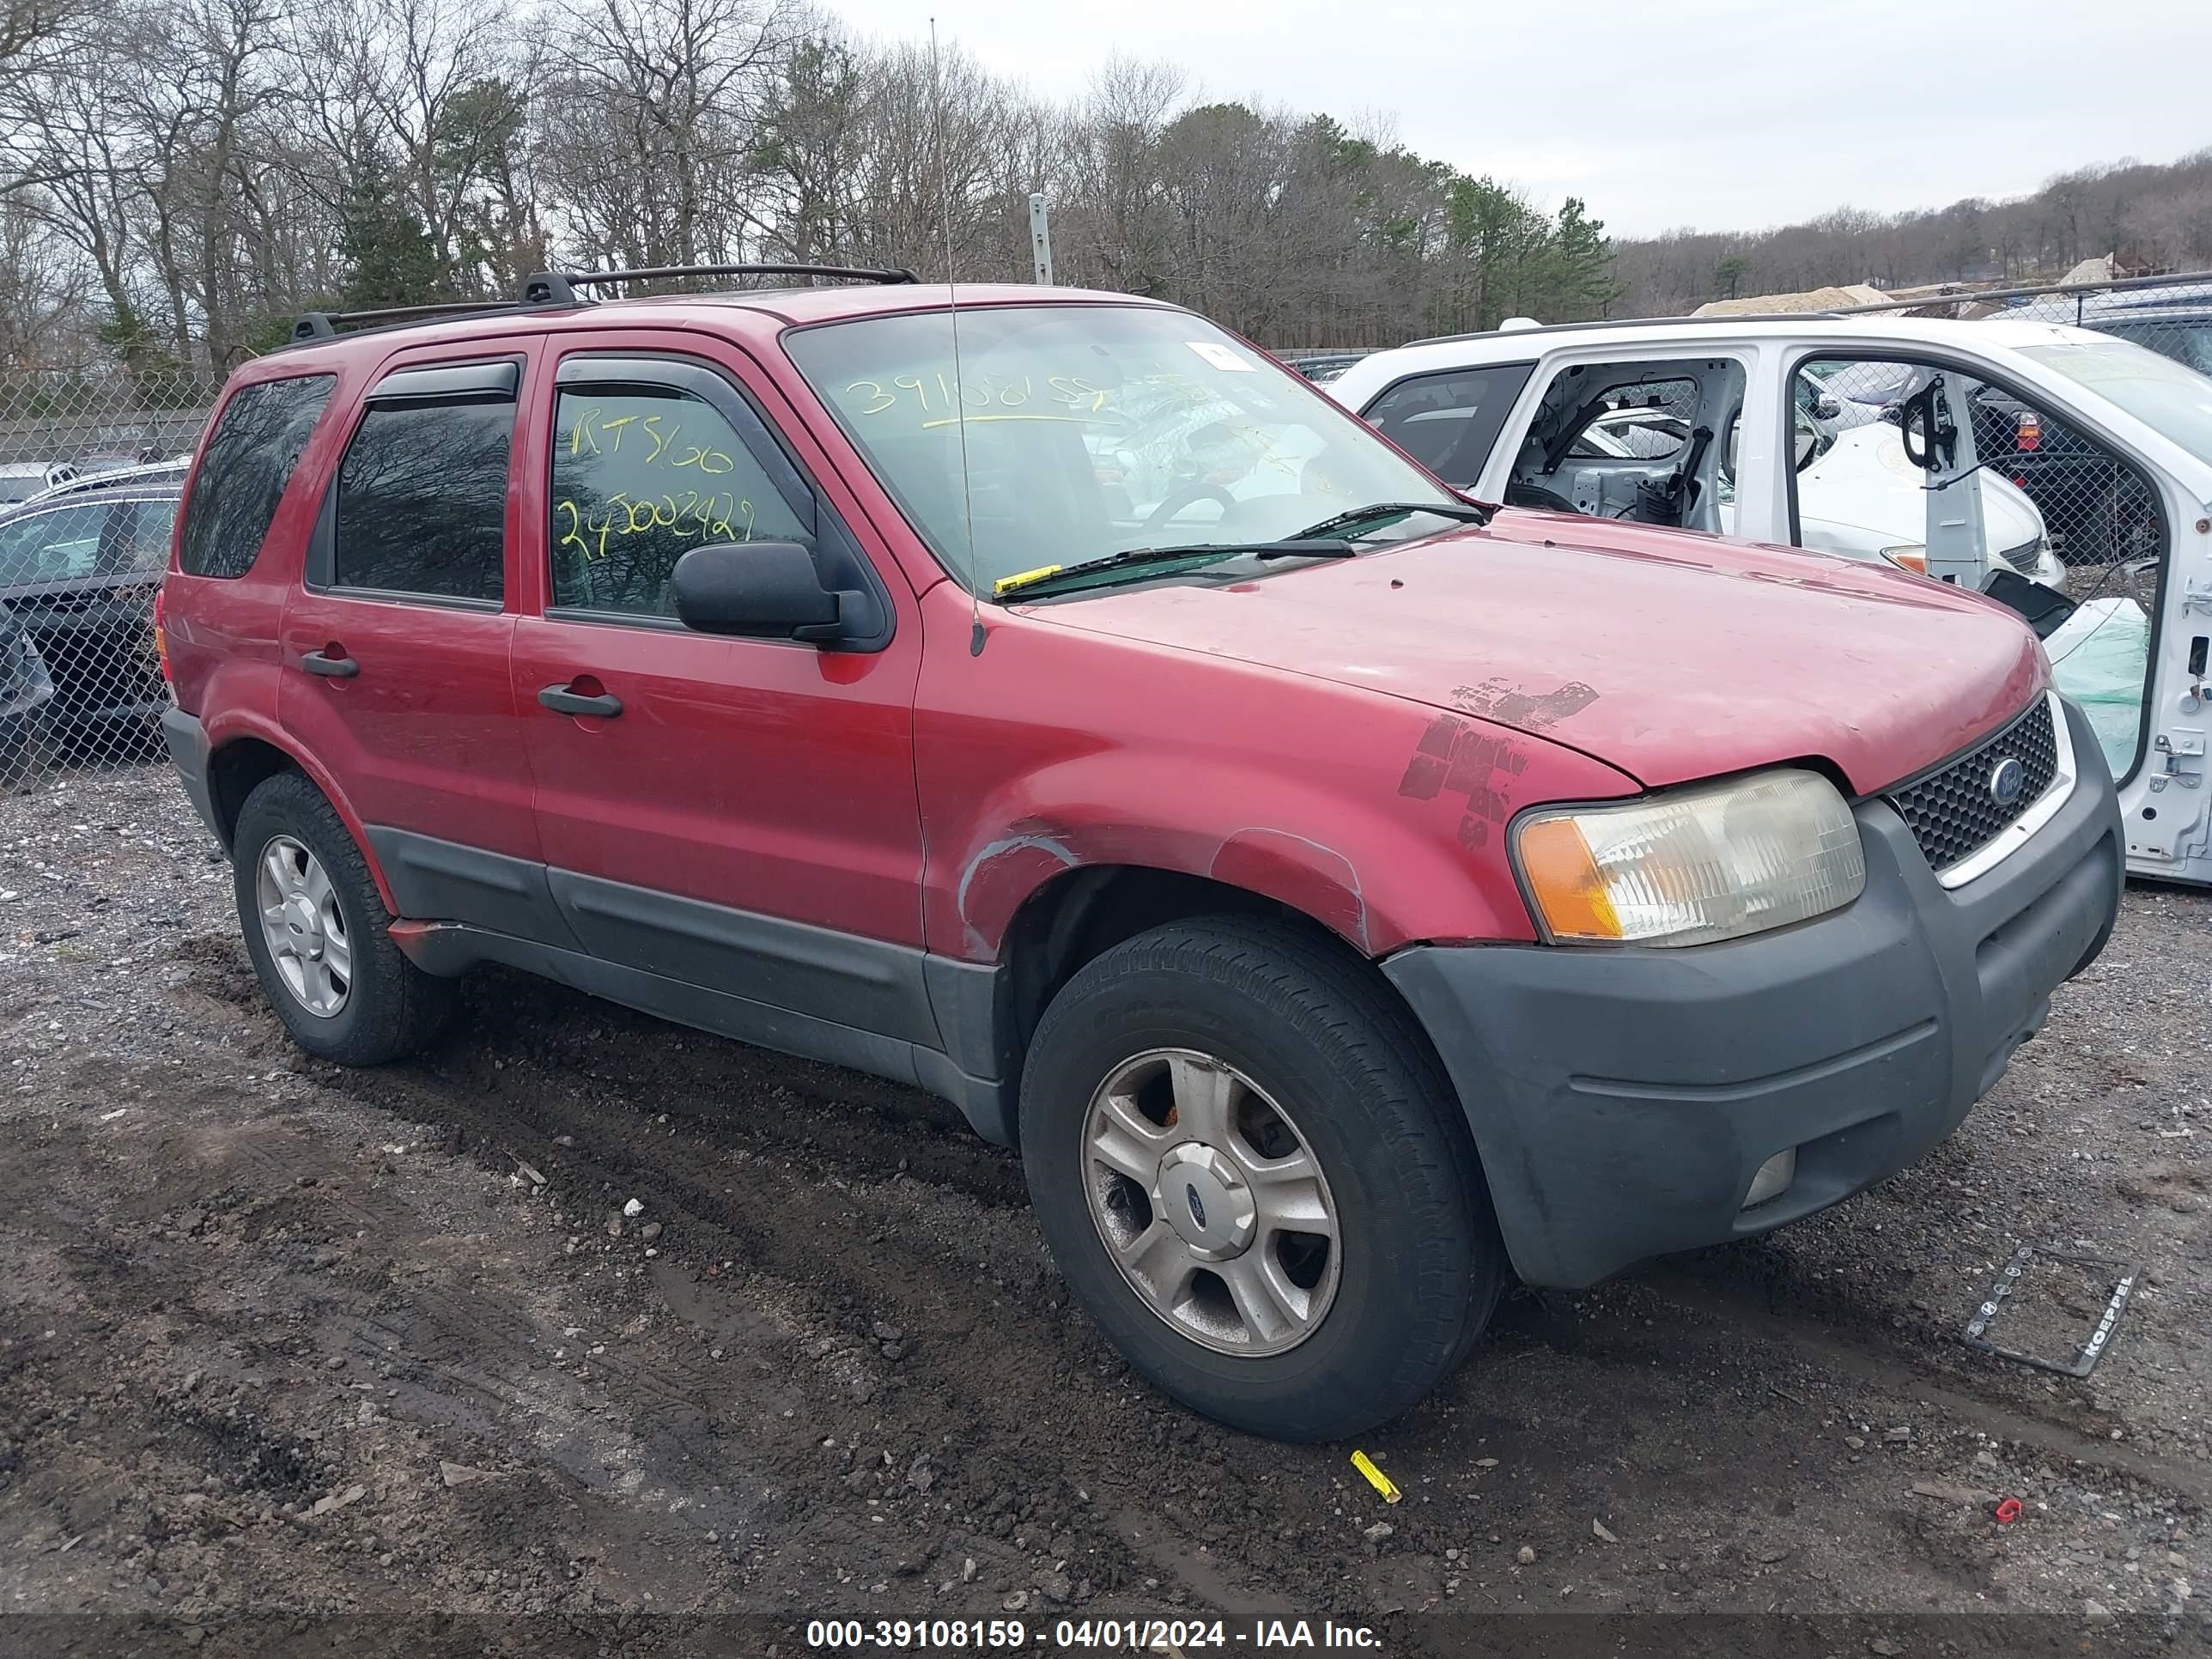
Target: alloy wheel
[1209,1202]
[303,928]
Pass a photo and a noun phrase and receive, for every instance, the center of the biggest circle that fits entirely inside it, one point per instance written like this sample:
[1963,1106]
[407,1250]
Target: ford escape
[1344,895]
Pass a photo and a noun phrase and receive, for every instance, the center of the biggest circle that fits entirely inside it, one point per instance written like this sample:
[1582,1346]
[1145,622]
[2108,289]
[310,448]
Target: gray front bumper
[1622,1099]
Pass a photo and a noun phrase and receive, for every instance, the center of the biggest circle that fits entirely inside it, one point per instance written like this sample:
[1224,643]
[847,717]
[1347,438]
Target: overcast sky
[1722,114]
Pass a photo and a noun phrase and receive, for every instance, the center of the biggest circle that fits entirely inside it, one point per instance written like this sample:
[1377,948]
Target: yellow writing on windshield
[934,394]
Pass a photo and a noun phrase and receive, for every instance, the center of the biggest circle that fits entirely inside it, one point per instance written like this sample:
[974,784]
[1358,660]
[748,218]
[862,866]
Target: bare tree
[178,177]
[653,111]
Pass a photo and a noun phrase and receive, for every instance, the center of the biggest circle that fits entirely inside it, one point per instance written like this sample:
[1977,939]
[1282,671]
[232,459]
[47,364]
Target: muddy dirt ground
[593,1329]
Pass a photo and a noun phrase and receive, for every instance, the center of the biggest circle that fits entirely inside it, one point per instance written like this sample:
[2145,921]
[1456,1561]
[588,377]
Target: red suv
[1344,896]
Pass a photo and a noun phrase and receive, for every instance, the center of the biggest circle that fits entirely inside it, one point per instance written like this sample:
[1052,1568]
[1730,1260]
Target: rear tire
[1311,1317]
[292,847]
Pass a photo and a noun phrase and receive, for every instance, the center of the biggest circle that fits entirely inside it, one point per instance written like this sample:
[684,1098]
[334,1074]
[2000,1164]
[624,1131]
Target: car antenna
[952,310]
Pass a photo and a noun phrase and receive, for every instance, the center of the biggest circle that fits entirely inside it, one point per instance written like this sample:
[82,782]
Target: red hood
[1669,655]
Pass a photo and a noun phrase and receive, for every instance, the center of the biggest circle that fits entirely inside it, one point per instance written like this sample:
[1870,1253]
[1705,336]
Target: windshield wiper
[1463,512]
[1141,559]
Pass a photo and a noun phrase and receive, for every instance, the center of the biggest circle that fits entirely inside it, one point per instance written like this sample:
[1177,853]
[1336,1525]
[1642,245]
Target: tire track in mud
[797,1178]
[799,1235]
[1830,1322]
[1859,1346]
[595,1483]
[233,1366]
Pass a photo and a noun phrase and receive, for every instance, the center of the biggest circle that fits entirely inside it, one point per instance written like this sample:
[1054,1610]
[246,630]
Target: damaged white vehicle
[2009,456]
[1857,494]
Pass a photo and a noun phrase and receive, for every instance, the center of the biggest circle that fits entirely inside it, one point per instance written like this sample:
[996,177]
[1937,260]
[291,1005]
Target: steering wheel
[1186,495]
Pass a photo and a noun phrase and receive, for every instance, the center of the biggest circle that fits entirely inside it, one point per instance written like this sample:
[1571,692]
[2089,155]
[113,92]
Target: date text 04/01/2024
[1136,1635]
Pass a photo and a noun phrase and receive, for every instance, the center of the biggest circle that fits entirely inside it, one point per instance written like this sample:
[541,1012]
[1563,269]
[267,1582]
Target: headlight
[1911,556]
[2035,560]
[1695,865]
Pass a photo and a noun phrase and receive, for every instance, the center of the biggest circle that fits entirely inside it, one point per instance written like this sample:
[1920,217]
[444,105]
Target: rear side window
[90,541]
[422,500]
[249,459]
[62,546]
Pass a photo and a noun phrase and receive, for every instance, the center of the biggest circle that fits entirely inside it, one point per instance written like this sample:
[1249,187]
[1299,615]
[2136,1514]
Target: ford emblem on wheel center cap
[2008,779]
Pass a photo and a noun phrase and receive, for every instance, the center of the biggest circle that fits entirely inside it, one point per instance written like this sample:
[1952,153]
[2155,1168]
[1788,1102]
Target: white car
[21,480]
[1858,496]
[1821,433]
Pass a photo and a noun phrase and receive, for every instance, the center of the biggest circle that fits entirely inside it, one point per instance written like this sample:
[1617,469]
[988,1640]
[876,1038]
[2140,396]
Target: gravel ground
[641,1331]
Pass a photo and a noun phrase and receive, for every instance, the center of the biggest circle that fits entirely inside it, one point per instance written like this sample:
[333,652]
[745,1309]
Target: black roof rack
[547,288]
[557,288]
[326,325]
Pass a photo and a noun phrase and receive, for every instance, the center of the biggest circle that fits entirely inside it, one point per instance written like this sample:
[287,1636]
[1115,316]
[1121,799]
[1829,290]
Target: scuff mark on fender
[1455,757]
[1354,925]
[999,848]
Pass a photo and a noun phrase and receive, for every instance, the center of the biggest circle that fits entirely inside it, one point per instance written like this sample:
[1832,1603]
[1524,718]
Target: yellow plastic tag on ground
[1375,1478]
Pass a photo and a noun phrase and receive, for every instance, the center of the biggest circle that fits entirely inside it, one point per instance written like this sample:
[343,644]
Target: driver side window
[1449,421]
[641,475]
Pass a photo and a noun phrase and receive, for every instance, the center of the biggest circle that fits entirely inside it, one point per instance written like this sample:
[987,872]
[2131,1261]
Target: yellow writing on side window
[685,516]
[645,440]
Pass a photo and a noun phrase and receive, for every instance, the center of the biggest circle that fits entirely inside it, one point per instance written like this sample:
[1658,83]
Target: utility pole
[1041,237]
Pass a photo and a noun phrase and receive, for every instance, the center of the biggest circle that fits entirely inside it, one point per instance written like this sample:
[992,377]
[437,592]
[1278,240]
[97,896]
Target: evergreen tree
[388,250]
[1581,282]
[155,371]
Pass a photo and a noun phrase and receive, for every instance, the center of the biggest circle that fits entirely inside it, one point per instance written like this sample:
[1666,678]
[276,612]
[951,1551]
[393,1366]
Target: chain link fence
[2100,514]
[91,463]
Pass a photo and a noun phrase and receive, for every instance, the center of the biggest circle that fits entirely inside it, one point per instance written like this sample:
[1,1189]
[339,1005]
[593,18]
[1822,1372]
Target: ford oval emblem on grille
[2008,779]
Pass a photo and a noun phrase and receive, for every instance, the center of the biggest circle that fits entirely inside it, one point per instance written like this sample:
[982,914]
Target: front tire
[1253,1173]
[319,934]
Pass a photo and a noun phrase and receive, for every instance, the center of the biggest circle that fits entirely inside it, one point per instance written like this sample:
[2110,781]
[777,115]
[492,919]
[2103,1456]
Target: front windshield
[2172,400]
[1092,430]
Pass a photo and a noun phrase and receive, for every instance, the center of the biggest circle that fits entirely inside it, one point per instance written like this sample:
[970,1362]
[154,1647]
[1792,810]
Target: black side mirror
[761,590]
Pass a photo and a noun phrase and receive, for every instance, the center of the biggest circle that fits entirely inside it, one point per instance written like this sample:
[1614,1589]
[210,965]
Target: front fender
[1379,869]
[1057,749]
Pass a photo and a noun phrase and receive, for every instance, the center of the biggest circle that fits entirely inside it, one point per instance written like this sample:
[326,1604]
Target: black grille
[1951,811]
